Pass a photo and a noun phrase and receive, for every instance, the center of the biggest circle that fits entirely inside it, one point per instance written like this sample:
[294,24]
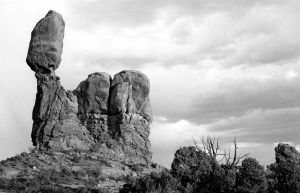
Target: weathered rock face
[93,94]
[117,112]
[112,114]
[95,136]
[130,94]
[55,122]
[131,114]
[131,132]
[46,44]
[286,153]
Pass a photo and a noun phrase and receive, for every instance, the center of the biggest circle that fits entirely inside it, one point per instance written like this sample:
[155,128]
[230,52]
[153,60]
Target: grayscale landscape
[150,96]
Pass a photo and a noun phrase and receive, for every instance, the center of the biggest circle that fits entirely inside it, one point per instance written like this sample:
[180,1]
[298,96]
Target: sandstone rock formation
[46,44]
[131,114]
[93,94]
[112,113]
[95,136]
[93,101]
[286,153]
[55,122]
[130,94]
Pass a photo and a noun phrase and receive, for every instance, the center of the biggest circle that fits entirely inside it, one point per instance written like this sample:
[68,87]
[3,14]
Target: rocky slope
[99,131]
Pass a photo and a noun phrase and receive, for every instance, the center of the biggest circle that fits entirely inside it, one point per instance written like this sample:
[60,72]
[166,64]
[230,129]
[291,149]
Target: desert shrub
[227,182]
[95,147]
[137,167]
[271,181]
[189,163]
[96,172]
[36,186]
[192,171]
[90,190]
[65,171]
[287,177]
[80,173]
[3,182]
[15,158]
[76,158]
[162,182]
[251,177]
[2,170]
[194,168]
[18,184]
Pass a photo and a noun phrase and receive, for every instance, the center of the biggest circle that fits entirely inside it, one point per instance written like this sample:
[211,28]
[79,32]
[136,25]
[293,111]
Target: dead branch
[212,147]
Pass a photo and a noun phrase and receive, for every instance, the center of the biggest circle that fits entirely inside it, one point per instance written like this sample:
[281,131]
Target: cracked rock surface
[96,136]
[46,44]
[55,121]
[114,114]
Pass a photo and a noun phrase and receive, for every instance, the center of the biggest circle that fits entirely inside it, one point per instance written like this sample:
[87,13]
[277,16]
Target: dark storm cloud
[176,43]
[272,50]
[231,32]
[236,100]
[264,126]
[207,34]
[246,97]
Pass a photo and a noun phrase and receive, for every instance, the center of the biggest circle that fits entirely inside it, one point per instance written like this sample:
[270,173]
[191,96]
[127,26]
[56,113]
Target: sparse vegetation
[47,181]
[251,177]
[1,170]
[195,169]
[205,168]
[286,176]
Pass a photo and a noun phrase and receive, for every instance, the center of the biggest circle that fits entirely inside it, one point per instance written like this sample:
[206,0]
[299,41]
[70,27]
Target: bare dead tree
[211,146]
[233,160]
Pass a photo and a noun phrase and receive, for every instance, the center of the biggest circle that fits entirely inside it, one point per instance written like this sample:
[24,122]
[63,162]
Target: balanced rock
[46,44]
[114,114]
[98,132]
[55,122]
[130,94]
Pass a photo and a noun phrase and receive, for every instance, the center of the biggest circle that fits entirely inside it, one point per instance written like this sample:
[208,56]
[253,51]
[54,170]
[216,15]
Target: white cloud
[166,138]
[291,74]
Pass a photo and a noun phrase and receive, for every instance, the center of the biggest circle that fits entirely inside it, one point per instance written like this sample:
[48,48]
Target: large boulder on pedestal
[110,117]
[95,137]
[46,44]
[55,122]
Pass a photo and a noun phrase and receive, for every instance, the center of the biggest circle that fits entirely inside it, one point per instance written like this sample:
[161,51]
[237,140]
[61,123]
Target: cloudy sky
[220,68]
